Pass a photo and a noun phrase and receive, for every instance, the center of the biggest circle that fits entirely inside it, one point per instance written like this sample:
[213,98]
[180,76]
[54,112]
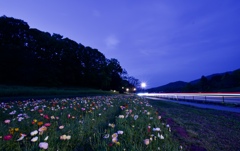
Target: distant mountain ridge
[226,81]
[211,75]
[173,86]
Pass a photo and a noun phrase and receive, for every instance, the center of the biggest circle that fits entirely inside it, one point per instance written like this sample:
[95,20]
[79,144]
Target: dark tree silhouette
[29,56]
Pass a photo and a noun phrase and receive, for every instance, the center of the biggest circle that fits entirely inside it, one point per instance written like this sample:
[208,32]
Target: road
[231,98]
[199,105]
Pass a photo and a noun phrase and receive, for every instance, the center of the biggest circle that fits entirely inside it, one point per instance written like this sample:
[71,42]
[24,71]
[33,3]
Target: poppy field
[84,123]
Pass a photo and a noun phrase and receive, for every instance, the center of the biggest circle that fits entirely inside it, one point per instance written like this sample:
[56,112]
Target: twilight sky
[156,41]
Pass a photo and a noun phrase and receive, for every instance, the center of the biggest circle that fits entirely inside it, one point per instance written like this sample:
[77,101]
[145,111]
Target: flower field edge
[117,122]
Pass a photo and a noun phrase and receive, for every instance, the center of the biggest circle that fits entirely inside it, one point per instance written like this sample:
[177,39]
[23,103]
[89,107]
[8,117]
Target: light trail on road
[210,97]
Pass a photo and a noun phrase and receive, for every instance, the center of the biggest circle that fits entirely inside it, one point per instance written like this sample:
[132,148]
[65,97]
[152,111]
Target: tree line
[229,81]
[32,57]
[221,82]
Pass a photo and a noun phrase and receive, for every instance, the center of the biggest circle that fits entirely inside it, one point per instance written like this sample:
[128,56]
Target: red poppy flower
[149,129]
[7,137]
[46,117]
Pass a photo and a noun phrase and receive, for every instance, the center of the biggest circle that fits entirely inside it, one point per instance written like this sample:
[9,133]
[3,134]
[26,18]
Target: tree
[133,81]
[236,77]
[204,84]
[29,56]
[114,70]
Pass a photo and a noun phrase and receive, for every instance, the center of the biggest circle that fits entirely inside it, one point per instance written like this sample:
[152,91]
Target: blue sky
[156,41]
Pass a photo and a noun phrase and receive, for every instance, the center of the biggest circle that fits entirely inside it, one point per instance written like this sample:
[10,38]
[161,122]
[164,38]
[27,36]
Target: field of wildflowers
[84,123]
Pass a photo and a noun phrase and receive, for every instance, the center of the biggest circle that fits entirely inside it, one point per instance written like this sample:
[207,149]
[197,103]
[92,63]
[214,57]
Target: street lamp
[143,85]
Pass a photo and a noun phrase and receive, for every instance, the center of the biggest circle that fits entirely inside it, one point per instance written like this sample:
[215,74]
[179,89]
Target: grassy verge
[100,123]
[24,92]
[201,129]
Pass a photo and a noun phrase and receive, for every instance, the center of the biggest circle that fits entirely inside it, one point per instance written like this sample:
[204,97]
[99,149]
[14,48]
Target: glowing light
[134,89]
[127,89]
[143,84]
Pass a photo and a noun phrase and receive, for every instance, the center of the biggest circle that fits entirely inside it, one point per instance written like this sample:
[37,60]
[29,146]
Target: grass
[25,92]
[119,122]
[201,129]
[192,128]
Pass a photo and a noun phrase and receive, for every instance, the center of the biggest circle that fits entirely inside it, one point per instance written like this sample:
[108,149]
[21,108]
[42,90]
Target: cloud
[154,52]
[96,13]
[111,42]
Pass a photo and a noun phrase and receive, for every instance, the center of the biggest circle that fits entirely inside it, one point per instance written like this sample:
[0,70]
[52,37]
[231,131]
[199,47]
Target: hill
[170,87]
[210,76]
[219,82]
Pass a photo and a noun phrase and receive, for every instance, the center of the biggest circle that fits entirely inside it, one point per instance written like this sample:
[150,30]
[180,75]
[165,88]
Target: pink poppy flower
[61,127]
[42,129]
[7,121]
[47,124]
[130,111]
[114,140]
[146,141]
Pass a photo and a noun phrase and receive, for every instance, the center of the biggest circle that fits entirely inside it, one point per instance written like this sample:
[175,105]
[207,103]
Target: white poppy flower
[34,139]
[33,133]
[156,129]
[160,136]
[46,138]
[63,137]
[43,145]
[106,136]
[121,116]
[120,132]
[68,137]
[20,119]
[22,137]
